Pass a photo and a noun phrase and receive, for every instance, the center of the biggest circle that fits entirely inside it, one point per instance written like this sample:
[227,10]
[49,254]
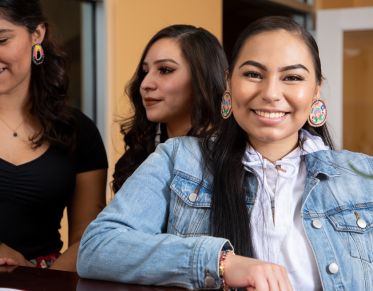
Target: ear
[317,92]
[227,81]
[39,33]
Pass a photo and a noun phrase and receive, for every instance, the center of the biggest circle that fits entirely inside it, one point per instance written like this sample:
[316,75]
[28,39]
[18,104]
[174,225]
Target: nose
[271,91]
[148,83]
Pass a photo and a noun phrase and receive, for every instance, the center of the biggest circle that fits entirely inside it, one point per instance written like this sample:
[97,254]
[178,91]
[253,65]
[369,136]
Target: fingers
[263,284]
[29,264]
[278,279]
[284,281]
[274,278]
[255,275]
[8,262]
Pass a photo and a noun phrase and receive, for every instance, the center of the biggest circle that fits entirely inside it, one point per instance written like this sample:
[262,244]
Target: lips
[150,101]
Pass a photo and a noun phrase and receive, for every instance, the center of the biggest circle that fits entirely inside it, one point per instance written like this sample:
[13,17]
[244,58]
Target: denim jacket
[156,229]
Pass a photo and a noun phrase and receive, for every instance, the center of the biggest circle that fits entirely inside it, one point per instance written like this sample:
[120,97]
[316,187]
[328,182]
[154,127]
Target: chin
[153,118]
[270,136]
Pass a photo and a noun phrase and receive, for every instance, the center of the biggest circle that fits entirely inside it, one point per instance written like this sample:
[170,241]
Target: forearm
[67,261]
[135,257]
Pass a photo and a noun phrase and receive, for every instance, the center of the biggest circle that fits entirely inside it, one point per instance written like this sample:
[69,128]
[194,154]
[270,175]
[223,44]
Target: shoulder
[185,146]
[344,156]
[356,161]
[90,150]
[342,161]
[82,121]
[87,130]
[184,153]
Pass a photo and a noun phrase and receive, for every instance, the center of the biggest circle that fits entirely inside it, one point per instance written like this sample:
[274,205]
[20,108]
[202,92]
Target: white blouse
[277,232]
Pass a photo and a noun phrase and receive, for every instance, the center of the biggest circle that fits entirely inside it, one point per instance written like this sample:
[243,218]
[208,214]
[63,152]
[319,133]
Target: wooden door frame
[330,26]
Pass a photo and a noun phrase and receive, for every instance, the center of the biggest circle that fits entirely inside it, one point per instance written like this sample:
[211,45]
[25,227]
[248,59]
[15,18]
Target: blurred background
[105,38]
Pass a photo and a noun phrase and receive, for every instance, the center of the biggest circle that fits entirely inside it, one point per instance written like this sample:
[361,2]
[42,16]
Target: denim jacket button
[333,268]
[361,223]
[316,223]
[209,282]
[192,197]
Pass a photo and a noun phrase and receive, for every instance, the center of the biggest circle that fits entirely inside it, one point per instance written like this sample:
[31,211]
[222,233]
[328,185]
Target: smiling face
[166,89]
[273,84]
[15,57]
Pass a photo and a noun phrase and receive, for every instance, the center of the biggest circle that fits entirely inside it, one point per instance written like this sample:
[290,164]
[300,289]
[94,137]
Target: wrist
[222,265]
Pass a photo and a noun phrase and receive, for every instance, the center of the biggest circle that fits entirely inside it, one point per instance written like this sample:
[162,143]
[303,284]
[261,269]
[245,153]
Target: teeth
[270,115]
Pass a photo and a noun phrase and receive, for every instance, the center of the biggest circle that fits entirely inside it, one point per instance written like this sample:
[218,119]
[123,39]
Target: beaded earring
[226,105]
[37,54]
[318,113]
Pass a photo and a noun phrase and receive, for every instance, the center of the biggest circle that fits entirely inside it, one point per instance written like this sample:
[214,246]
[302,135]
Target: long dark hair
[224,149]
[48,87]
[207,62]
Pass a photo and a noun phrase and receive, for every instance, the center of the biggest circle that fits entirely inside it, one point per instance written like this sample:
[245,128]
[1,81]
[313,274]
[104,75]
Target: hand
[10,257]
[7,269]
[252,274]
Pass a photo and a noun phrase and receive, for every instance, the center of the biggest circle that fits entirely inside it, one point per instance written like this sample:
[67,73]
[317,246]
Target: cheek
[178,92]
[241,97]
[302,99]
[20,55]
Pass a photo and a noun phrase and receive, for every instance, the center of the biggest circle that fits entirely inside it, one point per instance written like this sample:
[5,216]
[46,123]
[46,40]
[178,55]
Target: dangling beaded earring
[318,113]
[37,54]
[226,105]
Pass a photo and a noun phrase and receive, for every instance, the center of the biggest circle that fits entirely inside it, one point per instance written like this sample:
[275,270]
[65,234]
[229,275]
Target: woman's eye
[165,70]
[3,40]
[293,78]
[253,75]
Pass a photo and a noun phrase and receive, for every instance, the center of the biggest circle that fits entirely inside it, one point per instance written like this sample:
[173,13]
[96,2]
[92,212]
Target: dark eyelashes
[256,75]
[166,70]
[162,70]
[251,74]
[294,78]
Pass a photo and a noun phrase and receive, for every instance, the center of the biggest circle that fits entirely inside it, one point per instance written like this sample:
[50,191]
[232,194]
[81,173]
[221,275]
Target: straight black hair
[224,149]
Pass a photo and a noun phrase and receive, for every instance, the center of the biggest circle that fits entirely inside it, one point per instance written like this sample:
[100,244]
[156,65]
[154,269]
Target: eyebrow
[163,61]
[5,30]
[293,67]
[264,68]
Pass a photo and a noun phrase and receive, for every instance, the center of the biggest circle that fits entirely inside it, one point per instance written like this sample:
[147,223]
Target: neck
[180,129]
[12,105]
[275,150]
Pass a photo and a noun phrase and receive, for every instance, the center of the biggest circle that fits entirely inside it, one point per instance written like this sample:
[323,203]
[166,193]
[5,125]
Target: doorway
[347,65]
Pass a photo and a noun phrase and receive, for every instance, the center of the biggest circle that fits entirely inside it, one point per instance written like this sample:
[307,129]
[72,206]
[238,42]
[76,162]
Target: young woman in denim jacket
[267,184]
[175,91]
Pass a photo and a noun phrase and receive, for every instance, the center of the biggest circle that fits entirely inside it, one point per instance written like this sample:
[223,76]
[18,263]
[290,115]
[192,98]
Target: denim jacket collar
[321,162]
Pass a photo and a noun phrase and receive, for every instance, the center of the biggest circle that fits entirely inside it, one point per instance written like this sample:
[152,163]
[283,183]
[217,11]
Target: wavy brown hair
[49,82]
[207,62]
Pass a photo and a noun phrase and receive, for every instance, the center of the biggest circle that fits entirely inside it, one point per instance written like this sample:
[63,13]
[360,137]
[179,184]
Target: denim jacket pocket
[354,226]
[190,208]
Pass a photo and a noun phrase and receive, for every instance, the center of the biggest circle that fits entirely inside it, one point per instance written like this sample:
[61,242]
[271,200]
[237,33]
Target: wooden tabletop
[35,279]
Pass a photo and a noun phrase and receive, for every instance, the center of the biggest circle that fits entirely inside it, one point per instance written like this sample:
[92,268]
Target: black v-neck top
[33,195]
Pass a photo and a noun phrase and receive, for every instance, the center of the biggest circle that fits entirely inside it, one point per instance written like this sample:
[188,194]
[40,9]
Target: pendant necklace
[14,131]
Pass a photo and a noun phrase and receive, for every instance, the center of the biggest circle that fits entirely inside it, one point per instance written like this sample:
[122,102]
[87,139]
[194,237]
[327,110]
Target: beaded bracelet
[223,256]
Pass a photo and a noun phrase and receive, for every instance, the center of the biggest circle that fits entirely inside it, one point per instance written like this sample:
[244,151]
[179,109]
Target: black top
[33,195]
